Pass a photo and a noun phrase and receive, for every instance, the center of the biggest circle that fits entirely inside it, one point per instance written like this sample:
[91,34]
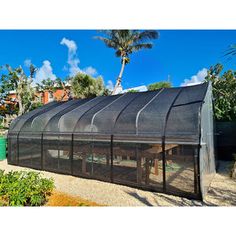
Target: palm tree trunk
[118,81]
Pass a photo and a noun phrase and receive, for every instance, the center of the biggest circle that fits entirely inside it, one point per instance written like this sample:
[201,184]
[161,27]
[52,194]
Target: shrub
[159,85]
[21,188]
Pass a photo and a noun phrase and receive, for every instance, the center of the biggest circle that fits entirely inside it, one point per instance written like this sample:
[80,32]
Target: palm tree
[231,51]
[125,42]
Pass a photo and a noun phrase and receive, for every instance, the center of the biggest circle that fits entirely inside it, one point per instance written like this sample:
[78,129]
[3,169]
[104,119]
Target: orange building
[47,96]
[44,96]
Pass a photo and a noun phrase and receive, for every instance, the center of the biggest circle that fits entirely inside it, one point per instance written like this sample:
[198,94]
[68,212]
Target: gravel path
[221,193]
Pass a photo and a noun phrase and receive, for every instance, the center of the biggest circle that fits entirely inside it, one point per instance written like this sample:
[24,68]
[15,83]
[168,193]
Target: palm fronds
[125,42]
[231,51]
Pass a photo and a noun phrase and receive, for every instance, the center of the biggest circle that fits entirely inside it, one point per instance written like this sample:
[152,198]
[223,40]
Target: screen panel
[126,122]
[84,123]
[105,120]
[152,119]
[12,149]
[69,120]
[92,158]
[183,122]
[180,168]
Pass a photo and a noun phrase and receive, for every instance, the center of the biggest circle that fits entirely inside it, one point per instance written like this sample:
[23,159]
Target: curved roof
[173,112]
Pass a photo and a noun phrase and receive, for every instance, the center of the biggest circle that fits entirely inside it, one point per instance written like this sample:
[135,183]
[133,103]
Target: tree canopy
[16,80]
[224,92]
[159,85]
[125,42]
[85,86]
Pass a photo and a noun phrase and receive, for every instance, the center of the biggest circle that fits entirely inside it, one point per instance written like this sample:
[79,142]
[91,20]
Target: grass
[61,199]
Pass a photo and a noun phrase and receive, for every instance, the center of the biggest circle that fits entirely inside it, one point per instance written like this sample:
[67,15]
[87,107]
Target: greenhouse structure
[156,140]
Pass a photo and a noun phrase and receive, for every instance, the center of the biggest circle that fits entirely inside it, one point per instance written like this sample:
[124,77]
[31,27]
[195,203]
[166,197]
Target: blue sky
[181,54]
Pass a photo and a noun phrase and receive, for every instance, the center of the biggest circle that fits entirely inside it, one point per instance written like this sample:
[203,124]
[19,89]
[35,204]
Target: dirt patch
[62,199]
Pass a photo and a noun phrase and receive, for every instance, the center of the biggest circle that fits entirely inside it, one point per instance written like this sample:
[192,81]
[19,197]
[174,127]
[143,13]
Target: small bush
[21,188]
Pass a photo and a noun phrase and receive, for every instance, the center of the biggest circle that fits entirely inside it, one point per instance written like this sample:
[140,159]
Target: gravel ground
[221,193]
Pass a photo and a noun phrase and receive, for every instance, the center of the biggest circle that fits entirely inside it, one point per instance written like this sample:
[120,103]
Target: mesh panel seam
[139,112]
[91,124]
[86,112]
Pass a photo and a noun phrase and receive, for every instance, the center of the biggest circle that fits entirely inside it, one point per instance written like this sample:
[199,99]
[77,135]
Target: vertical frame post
[71,154]
[42,156]
[195,157]
[18,155]
[58,152]
[111,146]
[164,164]
[9,155]
[139,165]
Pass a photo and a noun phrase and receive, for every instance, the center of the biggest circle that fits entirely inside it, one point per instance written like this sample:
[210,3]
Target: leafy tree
[224,92]
[125,42]
[16,80]
[85,86]
[158,85]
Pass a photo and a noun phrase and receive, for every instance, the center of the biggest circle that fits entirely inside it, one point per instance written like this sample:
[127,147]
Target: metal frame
[110,138]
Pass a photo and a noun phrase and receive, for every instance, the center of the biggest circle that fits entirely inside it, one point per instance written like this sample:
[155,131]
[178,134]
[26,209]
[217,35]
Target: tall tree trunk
[21,108]
[118,81]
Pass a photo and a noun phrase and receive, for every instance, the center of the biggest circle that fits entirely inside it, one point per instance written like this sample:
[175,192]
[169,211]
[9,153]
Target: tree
[132,91]
[231,51]
[52,85]
[47,84]
[159,85]
[125,42]
[85,86]
[16,80]
[224,92]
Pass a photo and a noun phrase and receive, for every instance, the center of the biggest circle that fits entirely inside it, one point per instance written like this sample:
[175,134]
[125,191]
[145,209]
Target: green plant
[159,85]
[85,86]
[132,91]
[21,188]
[125,42]
[16,80]
[224,92]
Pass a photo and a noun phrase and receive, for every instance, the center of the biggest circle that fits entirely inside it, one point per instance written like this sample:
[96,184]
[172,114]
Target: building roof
[173,112]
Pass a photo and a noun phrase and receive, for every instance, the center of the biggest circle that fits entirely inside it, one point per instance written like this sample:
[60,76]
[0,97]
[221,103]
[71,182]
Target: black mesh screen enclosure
[157,140]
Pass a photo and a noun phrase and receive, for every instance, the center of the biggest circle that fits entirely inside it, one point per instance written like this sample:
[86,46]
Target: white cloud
[70,44]
[196,79]
[90,71]
[44,72]
[110,85]
[73,61]
[27,62]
